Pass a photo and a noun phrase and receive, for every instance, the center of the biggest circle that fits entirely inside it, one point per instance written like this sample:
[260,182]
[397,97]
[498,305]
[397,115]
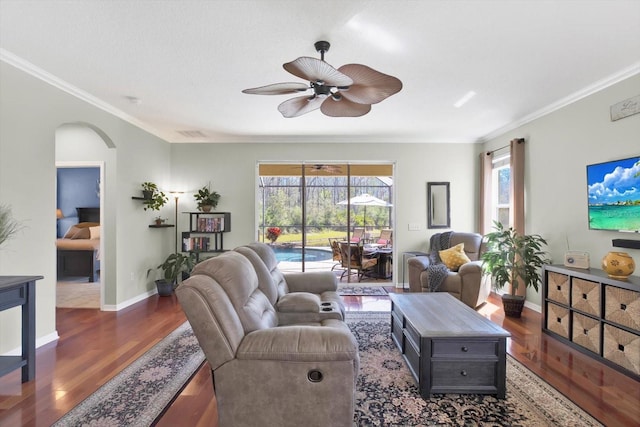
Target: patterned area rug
[141,392]
[388,396]
[346,290]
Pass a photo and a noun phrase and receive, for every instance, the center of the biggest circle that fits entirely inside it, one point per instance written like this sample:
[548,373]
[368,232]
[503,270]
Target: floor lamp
[176,195]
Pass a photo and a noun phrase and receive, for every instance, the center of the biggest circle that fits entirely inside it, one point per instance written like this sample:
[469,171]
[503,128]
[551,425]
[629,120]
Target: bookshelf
[206,232]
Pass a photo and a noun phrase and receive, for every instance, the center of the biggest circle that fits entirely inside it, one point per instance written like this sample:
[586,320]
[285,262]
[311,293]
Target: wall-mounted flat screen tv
[614,195]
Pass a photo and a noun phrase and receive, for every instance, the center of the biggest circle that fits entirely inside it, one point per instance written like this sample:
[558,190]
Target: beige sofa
[297,297]
[467,283]
[268,373]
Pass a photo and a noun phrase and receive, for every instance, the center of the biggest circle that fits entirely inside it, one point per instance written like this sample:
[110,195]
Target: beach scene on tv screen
[614,195]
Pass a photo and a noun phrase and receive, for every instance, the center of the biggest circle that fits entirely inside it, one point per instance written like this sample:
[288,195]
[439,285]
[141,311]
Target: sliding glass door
[304,206]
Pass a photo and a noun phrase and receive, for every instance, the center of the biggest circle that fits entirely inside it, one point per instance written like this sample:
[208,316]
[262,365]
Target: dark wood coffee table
[448,346]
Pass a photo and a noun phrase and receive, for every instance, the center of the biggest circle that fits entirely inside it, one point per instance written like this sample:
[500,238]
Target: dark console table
[21,291]
[448,347]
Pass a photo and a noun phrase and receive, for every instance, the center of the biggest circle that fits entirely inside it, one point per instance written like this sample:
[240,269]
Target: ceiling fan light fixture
[362,86]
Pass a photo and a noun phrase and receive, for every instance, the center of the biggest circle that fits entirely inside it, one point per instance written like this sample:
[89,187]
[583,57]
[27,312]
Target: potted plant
[273,233]
[206,198]
[159,220]
[154,199]
[8,226]
[513,258]
[172,267]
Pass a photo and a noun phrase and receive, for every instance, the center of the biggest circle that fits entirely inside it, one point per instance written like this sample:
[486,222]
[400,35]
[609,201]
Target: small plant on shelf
[159,220]
[154,199]
[273,233]
[206,198]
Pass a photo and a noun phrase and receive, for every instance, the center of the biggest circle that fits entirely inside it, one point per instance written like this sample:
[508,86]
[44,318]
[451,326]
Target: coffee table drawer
[411,332]
[412,356]
[464,348]
[396,331]
[464,374]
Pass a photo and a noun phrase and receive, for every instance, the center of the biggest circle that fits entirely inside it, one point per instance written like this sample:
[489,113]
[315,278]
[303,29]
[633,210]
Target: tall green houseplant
[513,258]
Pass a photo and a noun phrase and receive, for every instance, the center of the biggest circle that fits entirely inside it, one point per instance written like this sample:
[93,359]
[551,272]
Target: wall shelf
[161,226]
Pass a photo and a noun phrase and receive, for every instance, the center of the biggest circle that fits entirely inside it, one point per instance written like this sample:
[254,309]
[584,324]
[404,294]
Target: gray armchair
[467,284]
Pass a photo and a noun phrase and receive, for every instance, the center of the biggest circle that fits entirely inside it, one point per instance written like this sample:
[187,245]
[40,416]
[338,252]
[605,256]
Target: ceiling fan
[312,169]
[347,91]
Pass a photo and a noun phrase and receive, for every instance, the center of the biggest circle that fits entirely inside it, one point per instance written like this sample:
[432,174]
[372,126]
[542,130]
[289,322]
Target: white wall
[231,168]
[30,113]
[558,148]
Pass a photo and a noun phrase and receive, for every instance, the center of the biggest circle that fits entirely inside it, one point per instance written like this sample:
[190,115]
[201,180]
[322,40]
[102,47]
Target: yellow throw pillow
[454,257]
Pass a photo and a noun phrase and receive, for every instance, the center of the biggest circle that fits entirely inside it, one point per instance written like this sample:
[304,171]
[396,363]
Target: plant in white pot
[516,259]
[172,267]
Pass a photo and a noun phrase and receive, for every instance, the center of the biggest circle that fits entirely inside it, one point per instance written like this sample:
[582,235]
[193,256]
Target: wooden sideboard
[595,314]
[21,291]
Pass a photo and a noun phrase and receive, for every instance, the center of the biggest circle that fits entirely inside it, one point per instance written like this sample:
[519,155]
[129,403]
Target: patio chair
[335,251]
[385,237]
[352,256]
[357,235]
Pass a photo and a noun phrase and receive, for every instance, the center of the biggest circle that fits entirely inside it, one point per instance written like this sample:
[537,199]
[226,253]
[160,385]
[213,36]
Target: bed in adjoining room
[78,252]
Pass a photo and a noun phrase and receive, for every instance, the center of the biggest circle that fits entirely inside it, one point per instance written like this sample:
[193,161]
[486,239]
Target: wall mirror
[438,205]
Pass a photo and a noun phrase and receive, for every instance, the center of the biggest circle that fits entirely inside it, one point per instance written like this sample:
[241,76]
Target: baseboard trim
[129,302]
[53,336]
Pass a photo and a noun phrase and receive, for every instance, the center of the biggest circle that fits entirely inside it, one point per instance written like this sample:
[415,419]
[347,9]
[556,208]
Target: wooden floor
[94,346]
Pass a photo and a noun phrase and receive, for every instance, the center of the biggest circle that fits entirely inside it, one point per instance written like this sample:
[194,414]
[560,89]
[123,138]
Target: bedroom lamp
[176,195]
[59,214]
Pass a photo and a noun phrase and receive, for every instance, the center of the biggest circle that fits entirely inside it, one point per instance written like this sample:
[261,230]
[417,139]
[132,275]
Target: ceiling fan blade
[314,70]
[369,86]
[344,108]
[298,106]
[277,89]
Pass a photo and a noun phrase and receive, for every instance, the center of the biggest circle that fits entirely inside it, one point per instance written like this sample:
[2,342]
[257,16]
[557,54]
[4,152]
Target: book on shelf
[195,244]
[210,225]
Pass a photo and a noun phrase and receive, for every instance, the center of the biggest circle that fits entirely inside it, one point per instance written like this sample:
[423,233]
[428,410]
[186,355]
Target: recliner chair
[467,283]
[265,374]
[297,297]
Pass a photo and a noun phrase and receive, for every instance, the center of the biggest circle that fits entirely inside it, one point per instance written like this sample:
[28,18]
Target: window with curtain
[500,189]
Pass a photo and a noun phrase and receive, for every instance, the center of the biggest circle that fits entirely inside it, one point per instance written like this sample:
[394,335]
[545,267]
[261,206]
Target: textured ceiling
[188,61]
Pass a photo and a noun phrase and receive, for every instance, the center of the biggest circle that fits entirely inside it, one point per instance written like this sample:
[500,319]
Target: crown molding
[29,68]
[576,96]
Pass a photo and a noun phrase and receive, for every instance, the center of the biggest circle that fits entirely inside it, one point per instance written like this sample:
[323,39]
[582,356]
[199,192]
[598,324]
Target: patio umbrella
[365,200]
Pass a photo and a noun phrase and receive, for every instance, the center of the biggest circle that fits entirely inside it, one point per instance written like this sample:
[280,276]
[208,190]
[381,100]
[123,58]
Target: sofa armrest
[419,262]
[472,267]
[315,282]
[330,342]
[298,302]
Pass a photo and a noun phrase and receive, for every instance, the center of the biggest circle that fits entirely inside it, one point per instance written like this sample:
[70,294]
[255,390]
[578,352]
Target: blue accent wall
[77,188]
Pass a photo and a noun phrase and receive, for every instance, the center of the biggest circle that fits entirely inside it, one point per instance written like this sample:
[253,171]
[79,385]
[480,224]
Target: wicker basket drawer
[558,287]
[622,348]
[585,296]
[558,319]
[586,332]
[622,306]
